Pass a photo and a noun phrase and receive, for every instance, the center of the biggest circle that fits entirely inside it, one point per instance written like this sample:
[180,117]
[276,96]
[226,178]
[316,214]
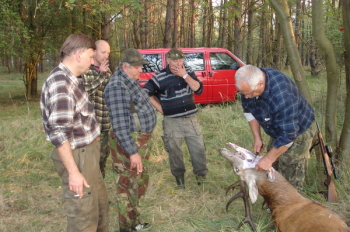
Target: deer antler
[244,195]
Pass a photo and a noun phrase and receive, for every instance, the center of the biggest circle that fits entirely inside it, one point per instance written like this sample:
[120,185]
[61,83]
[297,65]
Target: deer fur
[290,211]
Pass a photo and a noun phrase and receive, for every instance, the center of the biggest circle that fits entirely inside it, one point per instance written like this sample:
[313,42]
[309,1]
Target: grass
[30,192]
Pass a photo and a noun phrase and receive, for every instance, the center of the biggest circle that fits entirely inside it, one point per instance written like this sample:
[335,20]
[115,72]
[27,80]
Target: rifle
[326,151]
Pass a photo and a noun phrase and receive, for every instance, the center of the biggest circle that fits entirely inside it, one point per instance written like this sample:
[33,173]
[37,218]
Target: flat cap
[133,57]
[175,54]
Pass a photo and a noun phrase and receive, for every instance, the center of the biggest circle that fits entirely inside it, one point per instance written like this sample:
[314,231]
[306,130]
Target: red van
[215,67]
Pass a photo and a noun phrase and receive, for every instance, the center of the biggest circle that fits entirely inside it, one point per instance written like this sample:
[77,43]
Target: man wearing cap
[133,120]
[95,81]
[174,86]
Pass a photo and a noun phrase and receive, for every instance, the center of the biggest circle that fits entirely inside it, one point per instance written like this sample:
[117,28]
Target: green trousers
[293,163]
[130,185]
[89,213]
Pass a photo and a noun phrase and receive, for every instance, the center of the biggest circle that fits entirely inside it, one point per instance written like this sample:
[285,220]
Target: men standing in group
[71,126]
[272,101]
[95,81]
[174,86]
[133,120]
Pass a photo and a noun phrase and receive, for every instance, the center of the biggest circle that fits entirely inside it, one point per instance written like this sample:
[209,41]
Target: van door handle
[210,74]
[203,74]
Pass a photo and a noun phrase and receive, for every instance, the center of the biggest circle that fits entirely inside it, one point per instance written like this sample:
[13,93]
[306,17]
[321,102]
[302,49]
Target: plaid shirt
[176,96]
[281,110]
[66,111]
[95,83]
[118,102]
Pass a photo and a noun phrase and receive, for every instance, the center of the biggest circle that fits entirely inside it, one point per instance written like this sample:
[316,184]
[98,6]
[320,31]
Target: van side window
[195,61]
[154,63]
[222,61]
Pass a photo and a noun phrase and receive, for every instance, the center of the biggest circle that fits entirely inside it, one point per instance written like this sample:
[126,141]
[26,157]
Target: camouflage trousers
[105,151]
[130,186]
[293,163]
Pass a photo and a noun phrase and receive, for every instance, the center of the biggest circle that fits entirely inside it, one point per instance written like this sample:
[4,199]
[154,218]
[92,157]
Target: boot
[200,179]
[180,180]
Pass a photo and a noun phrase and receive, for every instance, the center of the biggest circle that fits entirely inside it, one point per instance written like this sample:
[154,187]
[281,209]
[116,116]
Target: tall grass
[30,192]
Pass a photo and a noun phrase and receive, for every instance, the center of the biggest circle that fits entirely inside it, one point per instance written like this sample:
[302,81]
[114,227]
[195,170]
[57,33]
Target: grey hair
[126,63]
[249,74]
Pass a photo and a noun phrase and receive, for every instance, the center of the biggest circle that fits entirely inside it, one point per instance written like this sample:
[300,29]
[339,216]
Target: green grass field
[30,192]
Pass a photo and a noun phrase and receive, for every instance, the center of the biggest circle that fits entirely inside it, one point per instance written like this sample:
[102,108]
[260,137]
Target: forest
[307,37]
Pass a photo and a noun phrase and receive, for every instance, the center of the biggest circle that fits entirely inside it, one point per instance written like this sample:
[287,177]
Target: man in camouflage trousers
[272,101]
[133,120]
[95,81]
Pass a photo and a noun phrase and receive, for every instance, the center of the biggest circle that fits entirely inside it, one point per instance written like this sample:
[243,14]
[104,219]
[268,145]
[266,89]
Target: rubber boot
[180,180]
[200,179]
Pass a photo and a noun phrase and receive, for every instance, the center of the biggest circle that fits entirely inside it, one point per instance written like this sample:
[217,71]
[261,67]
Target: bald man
[95,81]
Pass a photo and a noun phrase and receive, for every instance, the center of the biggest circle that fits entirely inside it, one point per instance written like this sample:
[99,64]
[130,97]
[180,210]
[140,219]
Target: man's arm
[156,105]
[94,79]
[76,180]
[265,163]
[182,72]
[255,128]
[118,103]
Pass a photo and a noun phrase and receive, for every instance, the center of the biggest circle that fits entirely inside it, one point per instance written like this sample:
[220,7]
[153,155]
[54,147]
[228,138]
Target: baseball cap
[175,54]
[133,57]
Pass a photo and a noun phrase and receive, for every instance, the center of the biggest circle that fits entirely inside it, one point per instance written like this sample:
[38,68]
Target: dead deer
[290,211]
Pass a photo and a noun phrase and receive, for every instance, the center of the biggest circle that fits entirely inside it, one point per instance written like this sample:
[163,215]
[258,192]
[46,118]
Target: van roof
[184,49]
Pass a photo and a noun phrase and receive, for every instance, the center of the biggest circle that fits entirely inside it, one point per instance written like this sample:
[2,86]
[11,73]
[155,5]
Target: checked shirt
[95,83]
[66,110]
[281,110]
[117,97]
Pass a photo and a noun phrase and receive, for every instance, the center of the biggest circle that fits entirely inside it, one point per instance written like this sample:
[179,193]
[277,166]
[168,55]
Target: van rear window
[154,63]
[195,61]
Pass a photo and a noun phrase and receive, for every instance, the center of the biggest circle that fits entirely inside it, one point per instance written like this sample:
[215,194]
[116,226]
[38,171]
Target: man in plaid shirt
[272,101]
[71,126]
[133,120]
[95,81]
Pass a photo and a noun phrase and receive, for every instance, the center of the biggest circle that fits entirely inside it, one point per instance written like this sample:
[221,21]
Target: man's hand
[136,162]
[258,146]
[264,164]
[178,70]
[76,182]
[104,66]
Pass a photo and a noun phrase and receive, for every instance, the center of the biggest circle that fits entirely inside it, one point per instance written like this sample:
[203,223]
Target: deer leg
[244,195]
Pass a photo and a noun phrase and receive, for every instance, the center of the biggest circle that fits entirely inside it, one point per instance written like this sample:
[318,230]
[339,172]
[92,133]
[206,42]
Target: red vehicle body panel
[216,75]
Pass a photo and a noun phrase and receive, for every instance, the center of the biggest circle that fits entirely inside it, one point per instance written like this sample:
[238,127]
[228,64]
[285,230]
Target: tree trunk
[175,31]
[210,25]
[250,32]
[281,9]
[192,38]
[205,23]
[169,26]
[237,45]
[327,50]
[344,145]
[31,77]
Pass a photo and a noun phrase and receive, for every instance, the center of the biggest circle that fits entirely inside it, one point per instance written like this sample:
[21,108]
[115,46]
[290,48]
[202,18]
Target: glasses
[250,94]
